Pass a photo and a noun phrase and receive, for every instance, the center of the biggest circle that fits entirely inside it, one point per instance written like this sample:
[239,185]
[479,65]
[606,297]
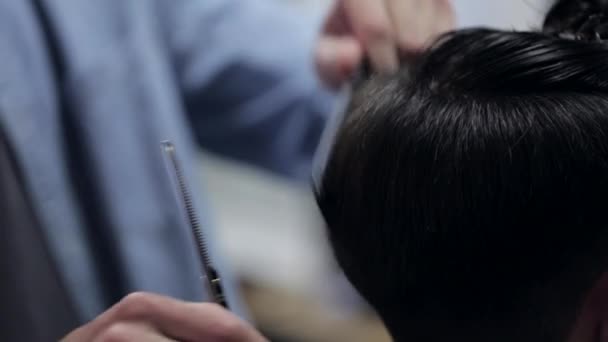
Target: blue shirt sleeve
[249,79]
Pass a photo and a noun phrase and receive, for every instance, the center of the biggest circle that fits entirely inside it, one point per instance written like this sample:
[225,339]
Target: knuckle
[135,305]
[118,332]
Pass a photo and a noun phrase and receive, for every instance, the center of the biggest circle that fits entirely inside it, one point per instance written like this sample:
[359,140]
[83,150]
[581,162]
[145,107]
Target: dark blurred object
[34,305]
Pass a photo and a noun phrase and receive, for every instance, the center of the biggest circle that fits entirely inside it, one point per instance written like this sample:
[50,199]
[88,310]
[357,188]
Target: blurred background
[271,233]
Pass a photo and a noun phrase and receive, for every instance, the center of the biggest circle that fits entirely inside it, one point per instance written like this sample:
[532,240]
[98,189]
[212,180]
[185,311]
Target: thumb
[337,59]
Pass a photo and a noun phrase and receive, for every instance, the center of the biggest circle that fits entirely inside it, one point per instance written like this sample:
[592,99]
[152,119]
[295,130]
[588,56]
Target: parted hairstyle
[467,198]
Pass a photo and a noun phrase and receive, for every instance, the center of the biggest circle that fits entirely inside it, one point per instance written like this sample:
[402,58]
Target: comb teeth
[197,231]
[194,221]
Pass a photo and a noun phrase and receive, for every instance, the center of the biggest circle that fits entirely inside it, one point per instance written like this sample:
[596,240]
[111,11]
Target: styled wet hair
[467,198]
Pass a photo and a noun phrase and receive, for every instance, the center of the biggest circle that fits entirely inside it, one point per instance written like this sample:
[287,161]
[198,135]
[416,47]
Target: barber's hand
[382,30]
[148,317]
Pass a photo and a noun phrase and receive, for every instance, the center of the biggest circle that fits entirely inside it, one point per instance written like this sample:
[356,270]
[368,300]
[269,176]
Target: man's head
[467,199]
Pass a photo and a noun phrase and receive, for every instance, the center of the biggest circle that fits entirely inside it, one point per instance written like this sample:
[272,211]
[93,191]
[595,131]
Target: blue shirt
[236,76]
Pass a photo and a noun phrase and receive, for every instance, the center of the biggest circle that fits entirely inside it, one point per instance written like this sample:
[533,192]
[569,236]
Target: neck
[592,322]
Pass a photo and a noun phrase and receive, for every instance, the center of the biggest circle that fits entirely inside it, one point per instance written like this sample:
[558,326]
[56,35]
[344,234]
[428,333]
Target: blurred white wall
[505,14]
[269,229]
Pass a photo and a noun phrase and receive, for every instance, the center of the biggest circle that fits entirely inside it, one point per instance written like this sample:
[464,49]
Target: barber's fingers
[94,328]
[186,321]
[406,18]
[418,22]
[173,319]
[445,16]
[131,331]
[337,59]
[127,310]
[372,25]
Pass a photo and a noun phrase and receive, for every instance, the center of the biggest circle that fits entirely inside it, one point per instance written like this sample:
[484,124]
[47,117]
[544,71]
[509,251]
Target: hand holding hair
[383,31]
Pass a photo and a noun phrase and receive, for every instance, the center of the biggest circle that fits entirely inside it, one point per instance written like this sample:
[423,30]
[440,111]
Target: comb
[213,281]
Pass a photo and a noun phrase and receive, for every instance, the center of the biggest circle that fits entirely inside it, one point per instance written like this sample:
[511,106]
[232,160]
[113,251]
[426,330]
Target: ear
[592,323]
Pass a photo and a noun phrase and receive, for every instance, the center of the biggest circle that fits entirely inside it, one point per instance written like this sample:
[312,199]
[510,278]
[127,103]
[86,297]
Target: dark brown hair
[467,198]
